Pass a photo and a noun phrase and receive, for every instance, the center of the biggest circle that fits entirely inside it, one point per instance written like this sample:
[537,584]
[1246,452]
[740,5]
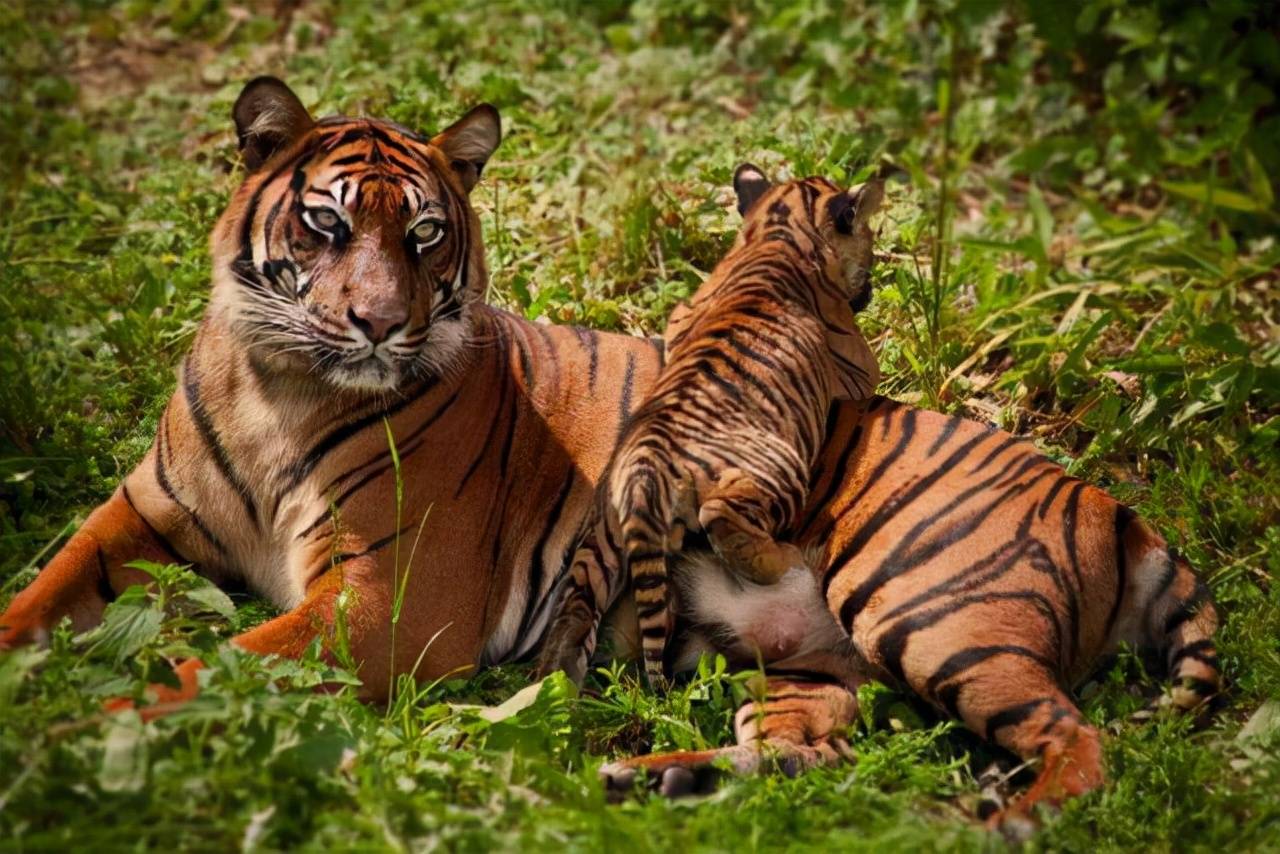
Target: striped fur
[725,440]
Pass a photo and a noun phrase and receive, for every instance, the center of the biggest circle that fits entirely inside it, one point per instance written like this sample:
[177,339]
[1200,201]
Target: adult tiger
[348,274]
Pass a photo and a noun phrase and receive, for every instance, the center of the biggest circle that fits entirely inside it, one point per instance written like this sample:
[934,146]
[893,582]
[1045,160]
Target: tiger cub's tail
[649,537]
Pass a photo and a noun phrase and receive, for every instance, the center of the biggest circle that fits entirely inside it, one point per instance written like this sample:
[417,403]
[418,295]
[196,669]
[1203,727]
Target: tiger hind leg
[1167,608]
[736,516]
[571,639]
[1014,701]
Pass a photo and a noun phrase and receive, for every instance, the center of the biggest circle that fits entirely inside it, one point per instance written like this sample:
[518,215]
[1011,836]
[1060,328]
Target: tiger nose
[378,324]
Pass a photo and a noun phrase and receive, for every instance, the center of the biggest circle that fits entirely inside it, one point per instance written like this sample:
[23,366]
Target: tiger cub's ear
[470,142]
[749,183]
[859,205]
[268,117]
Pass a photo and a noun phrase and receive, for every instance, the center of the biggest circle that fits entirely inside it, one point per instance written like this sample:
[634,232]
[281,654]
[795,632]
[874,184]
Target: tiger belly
[747,621]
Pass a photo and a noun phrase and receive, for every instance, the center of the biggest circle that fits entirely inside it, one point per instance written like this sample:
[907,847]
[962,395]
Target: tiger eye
[325,218]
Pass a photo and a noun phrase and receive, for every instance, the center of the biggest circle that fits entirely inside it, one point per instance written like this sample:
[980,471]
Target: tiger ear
[749,183]
[860,205]
[268,117]
[856,371]
[469,142]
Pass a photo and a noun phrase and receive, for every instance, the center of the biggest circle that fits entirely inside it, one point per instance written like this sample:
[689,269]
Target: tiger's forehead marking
[365,163]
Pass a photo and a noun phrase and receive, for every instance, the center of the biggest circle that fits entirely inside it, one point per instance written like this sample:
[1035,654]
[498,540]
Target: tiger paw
[677,774]
[696,772]
[17,631]
[773,561]
[166,699]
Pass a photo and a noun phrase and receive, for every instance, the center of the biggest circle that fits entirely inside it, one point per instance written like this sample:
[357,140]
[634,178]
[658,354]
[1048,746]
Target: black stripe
[1188,609]
[536,563]
[298,472]
[162,442]
[889,509]
[1053,493]
[209,434]
[891,645]
[803,675]
[943,435]
[483,453]
[912,551]
[624,400]
[103,581]
[886,462]
[1124,517]
[407,447]
[1013,716]
[1203,687]
[1008,442]
[988,568]
[590,343]
[251,209]
[1202,651]
[373,547]
[966,659]
[1071,515]
[160,538]
[647,582]
[817,504]
[391,142]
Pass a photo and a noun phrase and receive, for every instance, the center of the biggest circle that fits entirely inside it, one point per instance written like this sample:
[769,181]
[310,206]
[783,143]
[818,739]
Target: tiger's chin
[370,375]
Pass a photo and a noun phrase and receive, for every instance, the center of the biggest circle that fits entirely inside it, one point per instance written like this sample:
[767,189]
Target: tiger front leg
[86,573]
[365,628]
[738,515]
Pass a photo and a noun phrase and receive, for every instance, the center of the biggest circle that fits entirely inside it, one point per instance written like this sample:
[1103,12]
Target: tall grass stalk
[399,585]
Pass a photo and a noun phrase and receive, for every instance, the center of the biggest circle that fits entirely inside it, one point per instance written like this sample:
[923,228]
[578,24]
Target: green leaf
[210,598]
[1074,358]
[128,624]
[1259,181]
[1042,219]
[533,722]
[15,666]
[1216,196]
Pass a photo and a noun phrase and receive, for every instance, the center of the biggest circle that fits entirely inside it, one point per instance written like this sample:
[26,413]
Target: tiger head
[833,221]
[351,252]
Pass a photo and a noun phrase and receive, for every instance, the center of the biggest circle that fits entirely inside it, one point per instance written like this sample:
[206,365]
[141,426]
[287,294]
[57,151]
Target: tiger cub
[725,441]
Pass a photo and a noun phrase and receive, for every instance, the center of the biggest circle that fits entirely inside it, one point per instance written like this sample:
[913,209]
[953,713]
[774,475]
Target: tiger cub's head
[832,222]
[351,252]
[828,225]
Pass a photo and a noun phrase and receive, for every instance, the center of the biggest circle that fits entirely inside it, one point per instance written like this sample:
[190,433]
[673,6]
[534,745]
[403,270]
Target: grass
[1080,245]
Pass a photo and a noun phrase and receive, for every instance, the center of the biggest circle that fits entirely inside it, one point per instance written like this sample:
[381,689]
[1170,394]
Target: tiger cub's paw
[755,557]
[774,560]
